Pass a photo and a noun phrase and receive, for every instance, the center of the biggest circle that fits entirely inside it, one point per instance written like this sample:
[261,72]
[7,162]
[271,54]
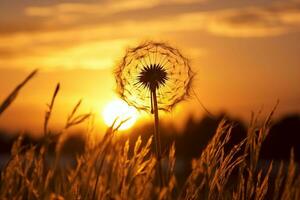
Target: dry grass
[111,169]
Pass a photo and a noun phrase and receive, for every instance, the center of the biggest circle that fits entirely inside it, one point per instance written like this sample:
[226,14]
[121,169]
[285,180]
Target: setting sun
[119,111]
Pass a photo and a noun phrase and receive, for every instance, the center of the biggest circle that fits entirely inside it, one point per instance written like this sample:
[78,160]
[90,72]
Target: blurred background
[245,54]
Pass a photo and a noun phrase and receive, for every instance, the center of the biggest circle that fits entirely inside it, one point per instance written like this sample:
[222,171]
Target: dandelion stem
[157,136]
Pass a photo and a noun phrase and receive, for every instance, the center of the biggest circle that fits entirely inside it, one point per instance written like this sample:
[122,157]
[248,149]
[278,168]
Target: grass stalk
[13,95]
[50,108]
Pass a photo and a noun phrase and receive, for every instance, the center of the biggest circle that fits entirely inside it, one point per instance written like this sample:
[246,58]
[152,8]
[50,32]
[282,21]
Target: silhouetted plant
[152,77]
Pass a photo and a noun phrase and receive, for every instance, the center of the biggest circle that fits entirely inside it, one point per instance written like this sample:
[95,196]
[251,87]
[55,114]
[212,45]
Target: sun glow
[118,111]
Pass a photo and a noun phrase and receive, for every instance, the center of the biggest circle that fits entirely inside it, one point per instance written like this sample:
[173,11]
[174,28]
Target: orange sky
[245,53]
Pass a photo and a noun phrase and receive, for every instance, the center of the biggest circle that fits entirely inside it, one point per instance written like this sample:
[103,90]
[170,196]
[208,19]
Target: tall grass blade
[13,95]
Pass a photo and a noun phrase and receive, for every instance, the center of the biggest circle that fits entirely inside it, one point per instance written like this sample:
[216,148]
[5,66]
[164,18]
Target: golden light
[119,111]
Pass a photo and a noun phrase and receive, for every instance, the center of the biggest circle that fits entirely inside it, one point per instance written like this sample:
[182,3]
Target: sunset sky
[246,53]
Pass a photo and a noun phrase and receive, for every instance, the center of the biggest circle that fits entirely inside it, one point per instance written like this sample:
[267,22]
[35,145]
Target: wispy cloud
[95,55]
[72,14]
[100,9]
[272,20]
[99,44]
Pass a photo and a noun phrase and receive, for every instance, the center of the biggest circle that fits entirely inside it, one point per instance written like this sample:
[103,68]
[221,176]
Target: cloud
[98,45]
[72,14]
[271,20]
[100,9]
[91,55]
[256,21]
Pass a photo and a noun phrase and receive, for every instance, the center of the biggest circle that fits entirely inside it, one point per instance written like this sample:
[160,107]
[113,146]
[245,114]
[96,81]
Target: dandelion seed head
[153,66]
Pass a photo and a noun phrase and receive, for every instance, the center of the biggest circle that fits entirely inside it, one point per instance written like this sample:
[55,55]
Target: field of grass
[114,169]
